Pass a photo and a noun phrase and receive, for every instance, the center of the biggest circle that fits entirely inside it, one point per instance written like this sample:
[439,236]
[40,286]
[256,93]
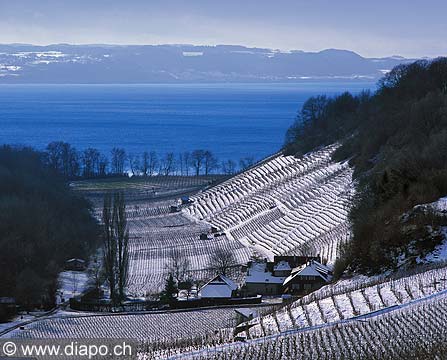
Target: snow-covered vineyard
[348,299]
[414,332]
[283,206]
[351,320]
[153,238]
[143,327]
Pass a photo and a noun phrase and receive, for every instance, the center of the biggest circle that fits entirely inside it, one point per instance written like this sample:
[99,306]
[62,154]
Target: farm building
[260,280]
[75,265]
[267,278]
[293,260]
[282,269]
[307,278]
[219,287]
[245,314]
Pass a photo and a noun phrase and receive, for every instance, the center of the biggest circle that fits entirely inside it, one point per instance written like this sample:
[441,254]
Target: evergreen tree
[170,291]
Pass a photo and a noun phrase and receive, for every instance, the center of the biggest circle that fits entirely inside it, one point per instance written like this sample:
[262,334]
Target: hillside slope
[283,206]
[396,140]
[111,64]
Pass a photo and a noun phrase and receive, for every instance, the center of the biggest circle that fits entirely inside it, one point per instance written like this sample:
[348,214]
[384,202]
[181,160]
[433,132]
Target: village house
[261,281]
[307,278]
[75,265]
[220,287]
[267,278]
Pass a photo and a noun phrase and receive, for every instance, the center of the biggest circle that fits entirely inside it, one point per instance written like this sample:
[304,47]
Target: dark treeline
[42,224]
[90,163]
[396,139]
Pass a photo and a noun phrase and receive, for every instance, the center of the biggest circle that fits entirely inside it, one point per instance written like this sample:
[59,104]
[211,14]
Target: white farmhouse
[219,287]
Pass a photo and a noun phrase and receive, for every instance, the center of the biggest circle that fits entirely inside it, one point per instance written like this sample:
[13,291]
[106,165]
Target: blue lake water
[232,120]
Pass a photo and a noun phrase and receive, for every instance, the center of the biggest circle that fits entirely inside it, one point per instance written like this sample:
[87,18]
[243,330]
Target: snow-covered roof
[282,266]
[258,273]
[313,268]
[75,259]
[247,312]
[221,280]
[218,287]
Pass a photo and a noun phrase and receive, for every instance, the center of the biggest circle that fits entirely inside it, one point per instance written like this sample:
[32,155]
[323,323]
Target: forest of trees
[90,163]
[396,139]
[42,224]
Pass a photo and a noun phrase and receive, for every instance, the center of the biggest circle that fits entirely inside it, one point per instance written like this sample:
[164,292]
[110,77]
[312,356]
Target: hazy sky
[411,28]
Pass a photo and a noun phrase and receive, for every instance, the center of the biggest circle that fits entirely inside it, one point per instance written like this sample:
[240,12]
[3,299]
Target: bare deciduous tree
[246,162]
[153,162]
[116,239]
[228,167]
[186,162]
[222,260]
[168,164]
[197,159]
[95,274]
[134,162]
[178,265]
[118,160]
[145,159]
[210,162]
[180,163]
[103,163]
[90,162]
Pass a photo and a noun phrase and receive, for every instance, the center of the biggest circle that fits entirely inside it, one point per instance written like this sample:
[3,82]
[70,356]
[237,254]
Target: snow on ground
[439,253]
[147,326]
[350,298]
[71,284]
[17,320]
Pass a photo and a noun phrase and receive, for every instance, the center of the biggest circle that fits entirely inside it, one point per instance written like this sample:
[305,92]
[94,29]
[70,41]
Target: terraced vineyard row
[343,301]
[414,332]
[152,240]
[284,206]
[147,327]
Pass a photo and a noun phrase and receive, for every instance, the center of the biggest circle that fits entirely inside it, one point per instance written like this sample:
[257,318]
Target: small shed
[245,314]
[205,236]
[220,287]
[185,200]
[75,264]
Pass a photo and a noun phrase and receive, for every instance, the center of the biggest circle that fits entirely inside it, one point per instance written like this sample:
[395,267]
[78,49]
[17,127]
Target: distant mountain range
[63,63]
